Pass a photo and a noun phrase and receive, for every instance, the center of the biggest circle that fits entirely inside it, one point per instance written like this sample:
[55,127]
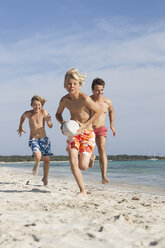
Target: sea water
[145,173]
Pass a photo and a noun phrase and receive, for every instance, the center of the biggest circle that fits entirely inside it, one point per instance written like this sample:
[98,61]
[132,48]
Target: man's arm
[22,119]
[111,118]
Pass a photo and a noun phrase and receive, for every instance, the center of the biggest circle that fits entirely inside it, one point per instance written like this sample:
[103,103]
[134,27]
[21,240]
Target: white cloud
[121,26]
[56,51]
[133,69]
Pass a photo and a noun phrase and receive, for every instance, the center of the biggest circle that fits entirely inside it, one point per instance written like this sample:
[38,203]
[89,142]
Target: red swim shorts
[101,131]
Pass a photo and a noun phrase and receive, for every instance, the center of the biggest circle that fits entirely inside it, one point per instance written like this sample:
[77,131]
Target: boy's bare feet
[105,180]
[81,194]
[91,161]
[35,169]
[45,181]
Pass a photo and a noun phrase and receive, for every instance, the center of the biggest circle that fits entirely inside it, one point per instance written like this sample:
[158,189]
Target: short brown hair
[97,81]
[38,98]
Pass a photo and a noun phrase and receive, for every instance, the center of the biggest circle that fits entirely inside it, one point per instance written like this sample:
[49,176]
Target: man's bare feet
[91,161]
[105,180]
[45,181]
[35,169]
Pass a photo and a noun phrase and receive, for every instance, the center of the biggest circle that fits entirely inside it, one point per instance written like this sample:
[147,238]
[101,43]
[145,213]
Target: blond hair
[38,98]
[73,73]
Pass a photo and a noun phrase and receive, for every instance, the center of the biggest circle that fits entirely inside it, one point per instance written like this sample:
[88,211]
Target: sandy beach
[32,215]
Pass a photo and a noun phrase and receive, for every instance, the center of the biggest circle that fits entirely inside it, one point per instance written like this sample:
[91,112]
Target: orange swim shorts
[84,142]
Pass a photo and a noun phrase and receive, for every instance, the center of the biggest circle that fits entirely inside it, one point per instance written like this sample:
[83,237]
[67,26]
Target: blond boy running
[80,105]
[100,130]
[38,140]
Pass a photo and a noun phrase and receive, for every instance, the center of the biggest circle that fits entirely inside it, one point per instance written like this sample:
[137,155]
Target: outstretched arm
[20,129]
[111,119]
[47,118]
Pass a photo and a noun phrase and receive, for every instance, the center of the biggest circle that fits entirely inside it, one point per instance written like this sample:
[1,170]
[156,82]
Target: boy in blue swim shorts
[38,141]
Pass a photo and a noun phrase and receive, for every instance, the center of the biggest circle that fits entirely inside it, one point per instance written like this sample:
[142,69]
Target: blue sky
[119,41]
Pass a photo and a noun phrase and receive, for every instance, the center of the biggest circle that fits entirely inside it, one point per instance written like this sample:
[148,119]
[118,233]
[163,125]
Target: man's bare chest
[103,106]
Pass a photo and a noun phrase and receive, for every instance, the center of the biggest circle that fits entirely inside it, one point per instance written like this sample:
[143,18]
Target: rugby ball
[70,128]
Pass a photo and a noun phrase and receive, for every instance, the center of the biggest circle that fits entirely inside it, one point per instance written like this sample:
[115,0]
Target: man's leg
[37,158]
[92,160]
[46,160]
[74,163]
[101,141]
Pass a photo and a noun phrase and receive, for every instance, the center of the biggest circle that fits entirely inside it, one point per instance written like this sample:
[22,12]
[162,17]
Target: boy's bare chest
[36,120]
[76,106]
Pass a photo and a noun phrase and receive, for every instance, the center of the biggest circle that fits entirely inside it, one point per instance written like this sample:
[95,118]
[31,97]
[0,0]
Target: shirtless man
[98,125]
[80,105]
[38,140]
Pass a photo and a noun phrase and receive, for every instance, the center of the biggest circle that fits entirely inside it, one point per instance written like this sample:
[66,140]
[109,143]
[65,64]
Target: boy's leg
[46,163]
[84,161]
[74,163]
[101,141]
[37,158]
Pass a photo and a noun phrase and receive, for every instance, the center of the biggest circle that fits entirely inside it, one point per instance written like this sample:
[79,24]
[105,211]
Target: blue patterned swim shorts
[43,145]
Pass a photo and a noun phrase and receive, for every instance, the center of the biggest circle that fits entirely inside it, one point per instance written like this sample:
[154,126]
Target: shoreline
[36,216]
[133,187]
[29,162]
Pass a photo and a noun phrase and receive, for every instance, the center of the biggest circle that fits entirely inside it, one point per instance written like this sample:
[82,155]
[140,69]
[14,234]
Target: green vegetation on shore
[17,158]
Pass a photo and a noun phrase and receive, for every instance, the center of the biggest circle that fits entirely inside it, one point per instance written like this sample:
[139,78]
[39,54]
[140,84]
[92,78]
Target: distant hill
[17,158]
